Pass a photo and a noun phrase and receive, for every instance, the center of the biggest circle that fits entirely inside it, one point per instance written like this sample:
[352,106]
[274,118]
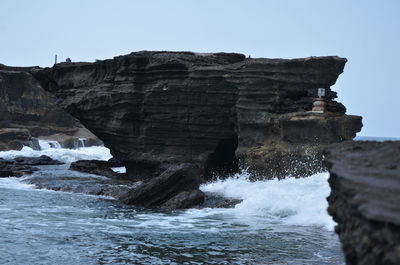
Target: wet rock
[184,200]
[213,200]
[36,161]
[59,178]
[15,170]
[97,167]
[20,166]
[157,109]
[364,200]
[292,144]
[113,162]
[175,188]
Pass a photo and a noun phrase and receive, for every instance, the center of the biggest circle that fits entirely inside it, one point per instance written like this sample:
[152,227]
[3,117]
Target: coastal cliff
[157,109]
[364,200]
[27,112]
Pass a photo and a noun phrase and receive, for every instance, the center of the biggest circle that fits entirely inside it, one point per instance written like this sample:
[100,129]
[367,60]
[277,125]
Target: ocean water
[277,222]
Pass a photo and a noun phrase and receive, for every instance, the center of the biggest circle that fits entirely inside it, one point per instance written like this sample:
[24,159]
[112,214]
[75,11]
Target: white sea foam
[292,201]
[61,154]
[14,184]
[119,169]
[45,144]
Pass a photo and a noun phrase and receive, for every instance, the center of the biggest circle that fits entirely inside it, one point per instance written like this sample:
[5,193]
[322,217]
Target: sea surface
[278,222]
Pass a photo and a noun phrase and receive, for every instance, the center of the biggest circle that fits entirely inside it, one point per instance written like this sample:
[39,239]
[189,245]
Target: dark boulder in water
[364,200]
[157,109]
[176,188]
[97,167]
[58,178]
[20,166]
[36,161]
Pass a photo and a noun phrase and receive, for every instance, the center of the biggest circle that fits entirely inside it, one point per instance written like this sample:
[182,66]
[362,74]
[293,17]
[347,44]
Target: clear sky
[367,33]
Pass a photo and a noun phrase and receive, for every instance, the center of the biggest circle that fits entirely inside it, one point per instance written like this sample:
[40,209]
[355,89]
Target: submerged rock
[364,200]
[175,188]
[157,109]
[59,178]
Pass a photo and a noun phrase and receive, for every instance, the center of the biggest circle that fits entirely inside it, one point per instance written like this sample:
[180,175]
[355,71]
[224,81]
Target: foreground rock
[27,112]
[20,166]
[60,178]
[175,188]
[157,109]
[364,201]
[97,167]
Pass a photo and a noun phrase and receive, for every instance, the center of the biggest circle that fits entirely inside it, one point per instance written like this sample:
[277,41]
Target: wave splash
[61,154]
[290,201]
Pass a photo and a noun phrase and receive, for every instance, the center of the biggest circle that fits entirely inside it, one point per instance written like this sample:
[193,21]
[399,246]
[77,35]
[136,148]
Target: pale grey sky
[367,33]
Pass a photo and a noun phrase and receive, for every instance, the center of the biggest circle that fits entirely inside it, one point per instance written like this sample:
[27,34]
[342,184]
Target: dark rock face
[175,188]
[157,109]
[20,166]
[27,111]
[96,167]
[16,138]
[292,144]
[364,201]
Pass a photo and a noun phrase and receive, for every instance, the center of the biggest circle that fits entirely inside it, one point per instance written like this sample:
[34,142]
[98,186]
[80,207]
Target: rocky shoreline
[364,200]
[158,111]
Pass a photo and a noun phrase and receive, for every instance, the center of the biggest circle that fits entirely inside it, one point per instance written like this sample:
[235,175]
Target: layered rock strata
[157,109]
[27,112]
[364,201]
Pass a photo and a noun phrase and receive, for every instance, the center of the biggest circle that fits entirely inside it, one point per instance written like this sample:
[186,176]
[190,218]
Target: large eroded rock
[27,112]
[364,201]
[157,109]
[176,188]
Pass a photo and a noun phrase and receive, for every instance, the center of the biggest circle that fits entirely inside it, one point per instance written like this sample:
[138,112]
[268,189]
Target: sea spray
[292,201]
[277,222]
[61,154]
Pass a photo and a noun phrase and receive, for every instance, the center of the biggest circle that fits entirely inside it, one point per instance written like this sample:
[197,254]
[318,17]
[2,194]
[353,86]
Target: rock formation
[20,166]
[27,112]
[176,188]
[97,167]
[364,201]
[157,109]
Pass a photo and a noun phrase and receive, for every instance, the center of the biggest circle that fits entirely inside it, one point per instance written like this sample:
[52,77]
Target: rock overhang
[154,109]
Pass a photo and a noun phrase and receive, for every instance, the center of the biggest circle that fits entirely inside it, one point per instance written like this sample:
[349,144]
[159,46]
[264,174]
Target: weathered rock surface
[16,138]
[97,167]
[157,109]
[27,112]
[364,201]
[20,166]
[175,188]
[292,144]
